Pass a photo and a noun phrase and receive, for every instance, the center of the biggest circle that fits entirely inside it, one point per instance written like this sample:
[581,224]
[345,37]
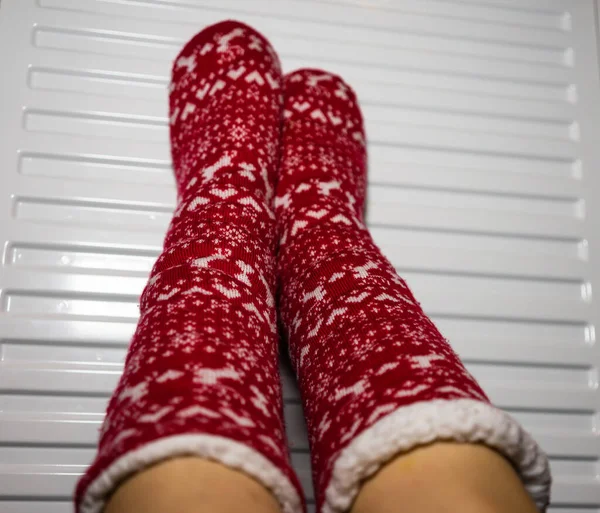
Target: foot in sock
[376,376]
[201,375]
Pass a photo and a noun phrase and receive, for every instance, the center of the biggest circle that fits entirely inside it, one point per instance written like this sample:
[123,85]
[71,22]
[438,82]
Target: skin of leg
[445,477]
[191,485]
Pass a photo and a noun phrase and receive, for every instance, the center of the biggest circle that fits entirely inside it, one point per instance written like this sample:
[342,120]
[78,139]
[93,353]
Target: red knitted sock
[376,376]
[201,376]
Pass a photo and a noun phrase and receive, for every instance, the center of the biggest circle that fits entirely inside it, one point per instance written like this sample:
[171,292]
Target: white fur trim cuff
[216,448]
[462,420]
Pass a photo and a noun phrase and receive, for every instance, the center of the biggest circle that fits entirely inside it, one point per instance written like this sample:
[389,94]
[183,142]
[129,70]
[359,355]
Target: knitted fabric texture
[201,376]
[376,376]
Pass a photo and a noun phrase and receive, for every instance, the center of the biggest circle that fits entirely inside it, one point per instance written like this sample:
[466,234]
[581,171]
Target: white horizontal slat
[99,241]
[147,122]
[564,130]
[46,472]
[68,201]
[94,169]
[507,380]
[476,340]
[427,97]
[499,297]
[72,332]
[81,288]
[57,257]
[483,332]
[540,343]
[405,167]
[416,58]
[18,303]
[419,136]
[407,249]
[557,435]
[103,149]
[464,140]
[575,482]
[544,6]
[562,434]
[87,295]
[94,125]
[448,177]
[151,112]
[474,161]
[493,14]
[420,209]
[67,507]
[77,212]
[76,421]
[147,80]
[36,506]
[54,506]
[53,472]
[156,42]
[437,251]
[110,39]
[51,420]
[386,167]
[320,15]
[94,371]
[116,75]
[506,394]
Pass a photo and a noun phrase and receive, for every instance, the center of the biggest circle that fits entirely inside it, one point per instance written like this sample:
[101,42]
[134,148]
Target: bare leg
[443,478]
[191,485]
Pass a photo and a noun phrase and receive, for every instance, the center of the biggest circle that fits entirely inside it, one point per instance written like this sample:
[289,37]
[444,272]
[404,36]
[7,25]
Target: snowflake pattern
[201,374]
[204,358]
[363,349]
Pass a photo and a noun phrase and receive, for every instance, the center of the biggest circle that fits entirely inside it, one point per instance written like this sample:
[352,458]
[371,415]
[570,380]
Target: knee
[445,477]
[191,485]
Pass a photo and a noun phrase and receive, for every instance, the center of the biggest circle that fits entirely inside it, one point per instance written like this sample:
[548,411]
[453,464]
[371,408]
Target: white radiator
[482,118]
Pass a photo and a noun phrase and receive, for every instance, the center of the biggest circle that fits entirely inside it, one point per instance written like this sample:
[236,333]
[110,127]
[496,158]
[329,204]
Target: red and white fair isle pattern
[376,376]
[201,375]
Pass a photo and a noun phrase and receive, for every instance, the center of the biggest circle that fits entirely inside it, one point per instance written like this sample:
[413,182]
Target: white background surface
[482,117]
